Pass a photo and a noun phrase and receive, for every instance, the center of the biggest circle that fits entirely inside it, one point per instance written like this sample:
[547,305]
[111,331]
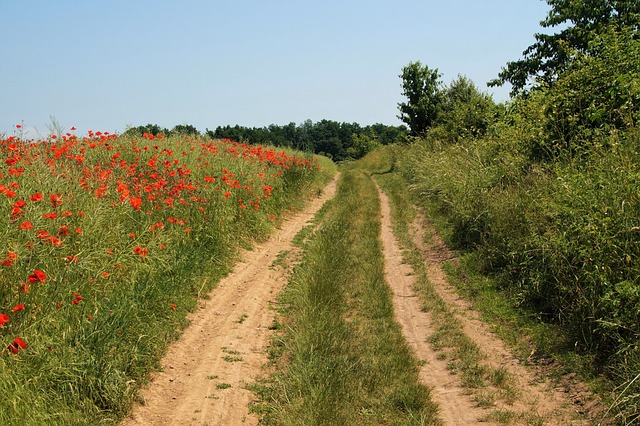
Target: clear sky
[107,64]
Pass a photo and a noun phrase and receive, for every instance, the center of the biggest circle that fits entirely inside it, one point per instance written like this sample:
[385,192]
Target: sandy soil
[456,403]
[225,345]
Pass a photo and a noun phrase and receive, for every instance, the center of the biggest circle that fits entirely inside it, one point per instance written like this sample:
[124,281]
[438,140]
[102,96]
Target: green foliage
[155,130]
[422,88]
[184,129]
[598,93]
[362,145]
[463,112]
[550,55]
[545,195]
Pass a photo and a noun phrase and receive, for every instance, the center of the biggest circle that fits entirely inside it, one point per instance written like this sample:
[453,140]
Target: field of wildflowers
[105,243]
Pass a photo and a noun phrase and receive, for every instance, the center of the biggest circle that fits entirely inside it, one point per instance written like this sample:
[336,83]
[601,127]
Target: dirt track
[225,345]
[536,395]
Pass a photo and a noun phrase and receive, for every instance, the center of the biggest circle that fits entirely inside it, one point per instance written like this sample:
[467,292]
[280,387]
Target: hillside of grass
[106,243]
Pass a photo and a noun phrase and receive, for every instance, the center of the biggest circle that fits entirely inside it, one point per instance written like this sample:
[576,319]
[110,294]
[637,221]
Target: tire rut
[456,403]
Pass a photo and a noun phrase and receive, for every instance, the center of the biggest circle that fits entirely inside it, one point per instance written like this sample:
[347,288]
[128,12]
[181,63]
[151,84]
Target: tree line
[339,141]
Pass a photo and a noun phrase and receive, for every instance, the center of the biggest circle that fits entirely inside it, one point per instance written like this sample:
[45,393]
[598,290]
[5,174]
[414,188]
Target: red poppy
[3,319]
[136,202]
[56,200]
[19,307]
[141,251]
[42,234]
[26,225]
[36,197]
[37,276]
[17,345]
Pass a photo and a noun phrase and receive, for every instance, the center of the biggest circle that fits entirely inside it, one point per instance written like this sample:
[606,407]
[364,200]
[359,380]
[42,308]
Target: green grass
[345,361]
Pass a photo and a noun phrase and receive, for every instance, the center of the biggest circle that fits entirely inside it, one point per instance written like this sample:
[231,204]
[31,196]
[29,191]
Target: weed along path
[489,386]
[205,372]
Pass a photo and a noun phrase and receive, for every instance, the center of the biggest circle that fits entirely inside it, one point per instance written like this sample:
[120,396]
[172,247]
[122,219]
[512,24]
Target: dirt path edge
[205,372]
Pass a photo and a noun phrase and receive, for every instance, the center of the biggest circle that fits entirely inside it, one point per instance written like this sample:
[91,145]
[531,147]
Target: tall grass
[559,237]
[345,361]
[108,242]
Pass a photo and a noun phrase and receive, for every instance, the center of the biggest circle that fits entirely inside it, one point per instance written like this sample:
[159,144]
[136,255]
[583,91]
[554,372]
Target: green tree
[551,54]
[362,144]
[464,111]
[596,95]
[422,87]
[152,129]
[184,129]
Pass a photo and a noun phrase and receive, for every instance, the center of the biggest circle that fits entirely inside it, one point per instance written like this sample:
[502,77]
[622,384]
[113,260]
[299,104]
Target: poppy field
[106,242]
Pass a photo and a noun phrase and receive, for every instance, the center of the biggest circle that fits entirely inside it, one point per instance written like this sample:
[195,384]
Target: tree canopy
[550,55]
[422,88]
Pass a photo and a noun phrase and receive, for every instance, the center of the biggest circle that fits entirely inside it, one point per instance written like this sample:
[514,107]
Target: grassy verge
[108,243]
[344,358]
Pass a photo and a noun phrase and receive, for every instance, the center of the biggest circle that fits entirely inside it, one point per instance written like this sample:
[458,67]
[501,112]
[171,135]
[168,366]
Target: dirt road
[224,348]
[225,345]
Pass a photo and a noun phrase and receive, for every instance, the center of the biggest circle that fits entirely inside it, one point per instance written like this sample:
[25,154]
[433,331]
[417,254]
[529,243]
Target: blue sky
[107,64]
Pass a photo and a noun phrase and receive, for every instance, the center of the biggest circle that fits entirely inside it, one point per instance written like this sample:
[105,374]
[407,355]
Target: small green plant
[223,386]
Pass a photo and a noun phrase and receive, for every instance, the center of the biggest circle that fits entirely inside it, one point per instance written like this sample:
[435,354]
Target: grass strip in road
[344,359]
